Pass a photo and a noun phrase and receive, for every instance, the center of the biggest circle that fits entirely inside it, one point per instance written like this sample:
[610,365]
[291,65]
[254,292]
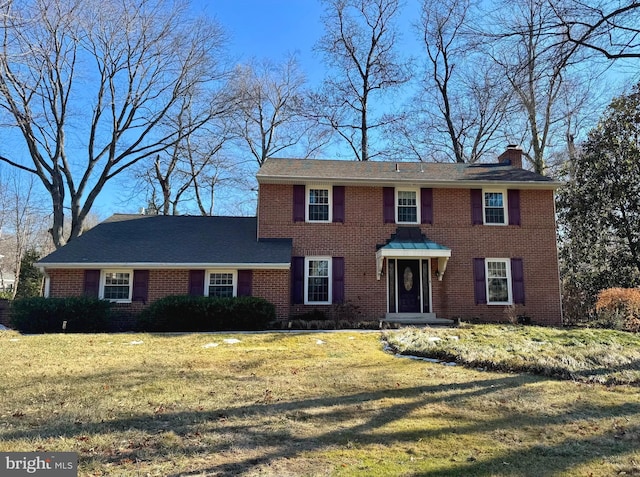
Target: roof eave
[156,266]
[442,184]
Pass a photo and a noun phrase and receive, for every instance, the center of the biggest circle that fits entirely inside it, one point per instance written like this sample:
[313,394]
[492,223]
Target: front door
[408,286]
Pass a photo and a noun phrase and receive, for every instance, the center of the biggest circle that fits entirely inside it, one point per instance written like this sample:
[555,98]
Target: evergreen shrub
[48,315]
[200,313]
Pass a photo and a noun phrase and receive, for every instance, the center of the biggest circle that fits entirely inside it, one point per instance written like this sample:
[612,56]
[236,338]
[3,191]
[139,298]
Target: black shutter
[426,206]
[513,203]
[476,207]
[141,285]
[337,270]
[479,285]
[297,280]
[245,278]
[91,283]
[298,203]
[196,282]
[338,204]
[389,205]
[517,281]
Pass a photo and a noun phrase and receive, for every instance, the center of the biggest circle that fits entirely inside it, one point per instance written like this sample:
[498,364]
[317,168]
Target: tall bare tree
[87,84]
[609,28]
[270,118]
[542,71]
[181,171]
[360,46]
[21,224]
[461,103]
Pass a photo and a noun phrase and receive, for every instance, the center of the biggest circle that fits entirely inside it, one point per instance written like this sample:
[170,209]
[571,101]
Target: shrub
[47,315]
[200,313]
[619,309]
[313,315]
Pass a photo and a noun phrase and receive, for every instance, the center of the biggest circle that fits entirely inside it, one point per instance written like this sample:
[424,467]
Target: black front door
[408,280]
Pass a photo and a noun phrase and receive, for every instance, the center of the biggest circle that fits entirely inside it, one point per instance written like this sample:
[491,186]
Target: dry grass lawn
[281,404]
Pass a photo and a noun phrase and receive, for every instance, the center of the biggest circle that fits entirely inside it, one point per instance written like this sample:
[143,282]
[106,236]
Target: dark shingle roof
[173,241]
[377,172]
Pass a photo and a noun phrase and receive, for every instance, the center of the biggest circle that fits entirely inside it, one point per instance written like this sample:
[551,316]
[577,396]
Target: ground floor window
[317,280]
[221,284]
[117,285]
[498,281]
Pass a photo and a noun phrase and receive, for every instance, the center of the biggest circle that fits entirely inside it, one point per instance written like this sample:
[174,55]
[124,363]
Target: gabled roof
[288,171]
[172,242]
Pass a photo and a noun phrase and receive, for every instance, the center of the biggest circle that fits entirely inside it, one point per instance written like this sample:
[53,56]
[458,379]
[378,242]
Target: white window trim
[418,202]
[504,207]
[103,280]
[306,203]
[234,277]
[507,262]
[306,280]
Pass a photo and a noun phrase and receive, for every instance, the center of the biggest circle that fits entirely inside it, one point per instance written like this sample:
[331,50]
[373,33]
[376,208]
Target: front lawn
[283,404]
[587,355]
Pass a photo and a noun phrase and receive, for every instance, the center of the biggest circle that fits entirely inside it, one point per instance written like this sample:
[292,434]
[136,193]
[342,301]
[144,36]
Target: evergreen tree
[599,208]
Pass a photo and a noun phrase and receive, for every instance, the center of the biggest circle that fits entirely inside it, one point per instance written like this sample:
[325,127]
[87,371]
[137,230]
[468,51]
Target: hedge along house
[411,242]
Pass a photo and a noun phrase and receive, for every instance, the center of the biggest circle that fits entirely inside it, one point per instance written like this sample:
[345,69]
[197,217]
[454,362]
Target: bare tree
[611,29]
[360,47]
[21,224]
[462,103]
[270,118]
[88,84]
[540,69]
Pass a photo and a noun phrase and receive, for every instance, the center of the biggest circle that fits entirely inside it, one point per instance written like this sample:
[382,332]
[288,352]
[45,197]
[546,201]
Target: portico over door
[408,254]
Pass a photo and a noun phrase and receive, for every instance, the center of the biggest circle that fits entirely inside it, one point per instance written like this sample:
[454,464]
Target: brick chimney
[513,156]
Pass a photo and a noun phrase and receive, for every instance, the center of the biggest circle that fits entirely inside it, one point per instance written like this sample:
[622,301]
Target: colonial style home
[409,242]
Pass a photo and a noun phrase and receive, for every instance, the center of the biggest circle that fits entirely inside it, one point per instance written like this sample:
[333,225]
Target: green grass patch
[289,404]
[587,355]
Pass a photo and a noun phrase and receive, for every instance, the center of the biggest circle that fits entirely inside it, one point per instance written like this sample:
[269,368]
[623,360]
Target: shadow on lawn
[268,444]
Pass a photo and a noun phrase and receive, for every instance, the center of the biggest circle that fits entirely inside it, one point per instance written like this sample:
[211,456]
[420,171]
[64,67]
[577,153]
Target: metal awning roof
[410,242]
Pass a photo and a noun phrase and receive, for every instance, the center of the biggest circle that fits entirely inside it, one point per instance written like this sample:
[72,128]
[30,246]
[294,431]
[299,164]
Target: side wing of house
[135,260]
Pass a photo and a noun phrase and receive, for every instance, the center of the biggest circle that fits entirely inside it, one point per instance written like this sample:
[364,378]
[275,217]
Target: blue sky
[274,28]
[269,28]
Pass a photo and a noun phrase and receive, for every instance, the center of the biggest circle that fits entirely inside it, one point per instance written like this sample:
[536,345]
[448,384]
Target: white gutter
[466,184]
[173,266]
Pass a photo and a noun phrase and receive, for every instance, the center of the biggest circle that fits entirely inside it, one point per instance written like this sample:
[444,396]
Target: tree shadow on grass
[360,417]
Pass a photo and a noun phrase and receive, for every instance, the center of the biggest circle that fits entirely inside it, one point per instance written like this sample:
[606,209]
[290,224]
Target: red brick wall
[355,240]
[272,285]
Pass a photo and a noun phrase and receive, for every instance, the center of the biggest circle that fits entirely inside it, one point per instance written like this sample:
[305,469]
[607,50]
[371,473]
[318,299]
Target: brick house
[395,241]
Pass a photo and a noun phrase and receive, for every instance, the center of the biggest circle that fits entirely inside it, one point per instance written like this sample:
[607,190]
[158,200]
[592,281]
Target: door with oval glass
[409,286]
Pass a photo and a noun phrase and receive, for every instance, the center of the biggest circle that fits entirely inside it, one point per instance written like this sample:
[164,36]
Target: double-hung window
[117,285]
[318,204]
[317,280]
[498,273]
[221,284]
[406,206]
[494,207]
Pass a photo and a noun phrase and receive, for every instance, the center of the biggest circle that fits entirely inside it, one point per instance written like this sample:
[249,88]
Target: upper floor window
[221,284]
[116,285]
[318,204]
[406,206]
[494,207]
